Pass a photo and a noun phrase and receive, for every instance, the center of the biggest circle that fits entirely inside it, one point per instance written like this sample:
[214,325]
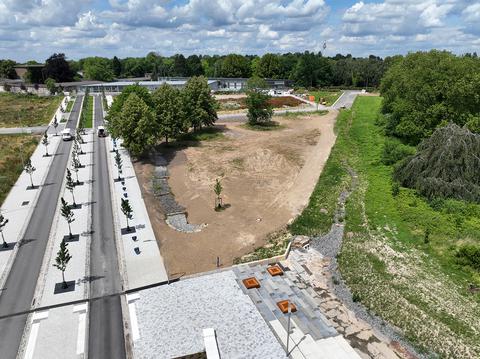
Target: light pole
[289,309]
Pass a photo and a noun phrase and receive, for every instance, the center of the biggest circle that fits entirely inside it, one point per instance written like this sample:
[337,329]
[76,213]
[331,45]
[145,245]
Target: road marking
[131,299]
[32,339]
[82,318]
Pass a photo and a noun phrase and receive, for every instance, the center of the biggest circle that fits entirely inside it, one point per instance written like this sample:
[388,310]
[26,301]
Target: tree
[179,67]
[3,222]
[269,67]
[194,66]
[217,188]
[127,211]
[259,109]
[61,261]
[427,90]
[137,126]
[169,115]
[77,149]
[234,65]
[70,185]
[118,163]
[117,66]
[29,169]
[7,69]
[98,68]
[55,124]
[76,165]
[45,142]
[57,68]
[67,213]
[51,87]
[116,127]
[445,165]
[79,138]
[198,103]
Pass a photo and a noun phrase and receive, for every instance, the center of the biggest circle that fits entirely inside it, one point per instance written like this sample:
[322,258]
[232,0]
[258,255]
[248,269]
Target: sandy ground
[267,177]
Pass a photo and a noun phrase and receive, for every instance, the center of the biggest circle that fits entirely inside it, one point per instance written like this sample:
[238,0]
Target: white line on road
[131,298]
[32,339]
[82,318]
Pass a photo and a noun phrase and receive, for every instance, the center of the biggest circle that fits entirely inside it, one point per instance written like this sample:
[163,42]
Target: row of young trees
[142,119]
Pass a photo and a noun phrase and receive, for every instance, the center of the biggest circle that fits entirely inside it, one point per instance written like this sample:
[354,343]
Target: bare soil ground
[267,177]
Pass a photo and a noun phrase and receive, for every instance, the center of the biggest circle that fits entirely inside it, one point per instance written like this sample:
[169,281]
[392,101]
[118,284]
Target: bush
[395,189]
[469,255]
[394,151]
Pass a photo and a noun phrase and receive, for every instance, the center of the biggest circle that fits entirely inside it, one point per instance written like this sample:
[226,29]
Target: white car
[101,132]
[67,134]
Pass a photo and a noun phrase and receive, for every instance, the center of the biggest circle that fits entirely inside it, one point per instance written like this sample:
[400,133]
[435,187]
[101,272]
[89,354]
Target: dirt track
[267,178]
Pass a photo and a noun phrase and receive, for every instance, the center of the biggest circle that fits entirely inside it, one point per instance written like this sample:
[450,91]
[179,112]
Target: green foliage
[234,65]
[425,90]
[469,255]
[127,210]
[395,189]
[394,150]
[7,69]
[51,87]
[259,109]
[269,66]
[446,165]
[312,70]
[62,259]
[57,68]
[137,125]
[98,68]
[115,111]
[170,117]
[198,103]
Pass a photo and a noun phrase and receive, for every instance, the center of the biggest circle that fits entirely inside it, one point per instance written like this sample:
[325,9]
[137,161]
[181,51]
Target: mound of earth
[446,165]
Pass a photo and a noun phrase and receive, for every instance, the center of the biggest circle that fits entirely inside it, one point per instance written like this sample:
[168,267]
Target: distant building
[215,84]
[22,70]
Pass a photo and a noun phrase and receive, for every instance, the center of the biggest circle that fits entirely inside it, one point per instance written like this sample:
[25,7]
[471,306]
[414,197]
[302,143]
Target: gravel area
[179,222]
[330,245]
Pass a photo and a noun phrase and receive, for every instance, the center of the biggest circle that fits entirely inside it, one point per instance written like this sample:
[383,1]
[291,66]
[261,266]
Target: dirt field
[267,178]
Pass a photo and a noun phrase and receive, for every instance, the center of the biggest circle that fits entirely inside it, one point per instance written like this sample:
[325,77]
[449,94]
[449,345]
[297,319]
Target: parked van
[67,134]
[101,132]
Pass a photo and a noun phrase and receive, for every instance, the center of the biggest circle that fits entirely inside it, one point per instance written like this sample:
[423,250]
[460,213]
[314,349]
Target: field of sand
[267,178]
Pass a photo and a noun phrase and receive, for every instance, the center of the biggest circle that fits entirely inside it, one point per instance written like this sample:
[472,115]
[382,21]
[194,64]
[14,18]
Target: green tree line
[142,119]
[307,69]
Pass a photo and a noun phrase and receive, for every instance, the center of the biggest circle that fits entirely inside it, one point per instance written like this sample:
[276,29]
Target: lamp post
[289,309]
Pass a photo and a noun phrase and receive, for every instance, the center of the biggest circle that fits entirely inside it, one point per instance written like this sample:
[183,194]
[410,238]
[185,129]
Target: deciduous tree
[61,261]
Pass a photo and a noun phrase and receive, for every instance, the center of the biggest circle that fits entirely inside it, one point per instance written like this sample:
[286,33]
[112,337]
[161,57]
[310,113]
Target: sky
[35,29]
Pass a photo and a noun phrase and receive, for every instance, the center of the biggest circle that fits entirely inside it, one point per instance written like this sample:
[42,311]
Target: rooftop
[171,319]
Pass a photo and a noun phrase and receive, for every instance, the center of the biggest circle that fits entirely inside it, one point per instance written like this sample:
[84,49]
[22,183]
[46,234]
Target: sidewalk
[19,204]
[142,259]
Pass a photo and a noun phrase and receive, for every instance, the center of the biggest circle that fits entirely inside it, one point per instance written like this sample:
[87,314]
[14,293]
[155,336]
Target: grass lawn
[11,161]
[413,283]
[329,96]
[293,115]
[31,110]
[88,110]
[204,134]
[70,105]
[267,126]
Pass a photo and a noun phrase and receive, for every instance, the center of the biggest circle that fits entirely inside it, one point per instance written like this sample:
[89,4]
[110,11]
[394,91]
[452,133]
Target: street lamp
[289,310]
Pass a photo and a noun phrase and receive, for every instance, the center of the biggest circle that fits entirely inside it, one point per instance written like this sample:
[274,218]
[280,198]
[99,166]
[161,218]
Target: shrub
[469,255]
[394,151]
[395,189]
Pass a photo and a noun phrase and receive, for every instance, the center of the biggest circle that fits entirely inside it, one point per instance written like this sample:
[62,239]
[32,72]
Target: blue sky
[34,29]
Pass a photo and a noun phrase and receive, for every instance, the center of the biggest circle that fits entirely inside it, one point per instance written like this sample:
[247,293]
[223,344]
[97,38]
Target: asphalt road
[347,99]
[106,337]
[17,294]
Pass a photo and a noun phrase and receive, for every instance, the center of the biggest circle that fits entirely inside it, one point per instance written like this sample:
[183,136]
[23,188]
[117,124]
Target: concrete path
[106,335]
[346,99]
[21,282]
